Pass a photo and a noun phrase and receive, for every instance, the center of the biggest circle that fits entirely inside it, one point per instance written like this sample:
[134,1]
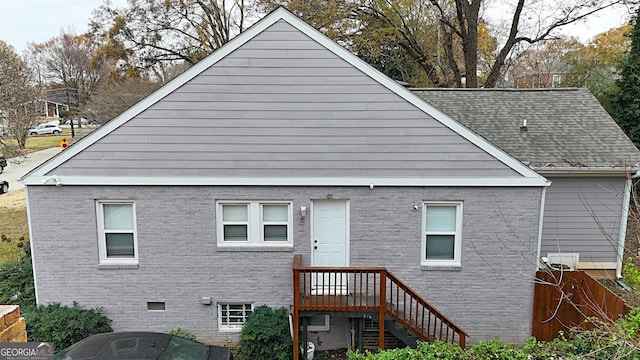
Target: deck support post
[296,308]
[382,305]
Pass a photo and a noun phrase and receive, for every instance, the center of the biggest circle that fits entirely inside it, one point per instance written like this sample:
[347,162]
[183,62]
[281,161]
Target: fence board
[565,299]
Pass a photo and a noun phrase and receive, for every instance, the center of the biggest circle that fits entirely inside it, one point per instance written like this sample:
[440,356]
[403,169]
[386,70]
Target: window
[319,323]
[254,223]
[231,317]
[441,240]
[117,243]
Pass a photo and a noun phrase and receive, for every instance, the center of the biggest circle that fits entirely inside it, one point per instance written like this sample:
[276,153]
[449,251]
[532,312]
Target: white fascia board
[317,36]
[228,181]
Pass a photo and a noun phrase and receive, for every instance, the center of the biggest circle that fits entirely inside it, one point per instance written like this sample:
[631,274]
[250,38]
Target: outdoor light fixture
[55,179]
[303,211]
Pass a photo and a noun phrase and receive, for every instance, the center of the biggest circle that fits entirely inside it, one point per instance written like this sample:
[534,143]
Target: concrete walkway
[18,167]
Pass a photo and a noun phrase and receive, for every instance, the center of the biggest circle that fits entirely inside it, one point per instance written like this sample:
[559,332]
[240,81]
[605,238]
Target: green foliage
[16,282]
[64,114]
[183,333]
[266,335]
[631,274]
[495,350]
[424,351]
[625,101]
[64,325]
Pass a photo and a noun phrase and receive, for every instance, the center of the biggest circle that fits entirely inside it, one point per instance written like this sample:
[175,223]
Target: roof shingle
[566,127]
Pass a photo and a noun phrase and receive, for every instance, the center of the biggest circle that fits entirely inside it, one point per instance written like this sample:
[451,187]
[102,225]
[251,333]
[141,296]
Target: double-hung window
[442,230]
[117,243]
[254,223]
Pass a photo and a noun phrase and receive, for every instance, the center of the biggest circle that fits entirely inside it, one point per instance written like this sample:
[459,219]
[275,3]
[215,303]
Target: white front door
[329,236]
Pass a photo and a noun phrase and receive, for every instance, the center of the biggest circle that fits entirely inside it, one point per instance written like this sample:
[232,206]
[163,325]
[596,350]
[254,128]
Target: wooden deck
[368,289]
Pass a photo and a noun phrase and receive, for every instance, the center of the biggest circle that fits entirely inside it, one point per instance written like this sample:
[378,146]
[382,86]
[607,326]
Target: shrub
[16,282]
[266,335]
[630,274]
[424,351]
[64,325]
[182,333]
[495,350]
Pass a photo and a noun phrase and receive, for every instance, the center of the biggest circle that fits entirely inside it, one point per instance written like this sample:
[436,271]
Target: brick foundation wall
[12,327]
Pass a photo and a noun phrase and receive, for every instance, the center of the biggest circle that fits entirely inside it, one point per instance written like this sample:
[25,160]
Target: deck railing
[370,289]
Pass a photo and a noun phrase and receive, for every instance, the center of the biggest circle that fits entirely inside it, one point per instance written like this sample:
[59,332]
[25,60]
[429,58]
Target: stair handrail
[426,304]
[388,303]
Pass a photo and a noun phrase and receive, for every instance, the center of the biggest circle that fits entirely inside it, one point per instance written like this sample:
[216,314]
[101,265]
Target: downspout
[541,223]
[33,254]
[623,223]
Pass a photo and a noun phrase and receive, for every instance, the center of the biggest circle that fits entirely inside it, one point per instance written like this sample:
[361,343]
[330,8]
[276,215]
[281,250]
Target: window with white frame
[442,230]
[254,223]
[231,317]
[117,240]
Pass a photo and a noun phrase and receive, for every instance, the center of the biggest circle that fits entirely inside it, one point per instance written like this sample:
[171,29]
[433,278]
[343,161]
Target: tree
[117,95]
[451,36]
[625,101]
[165,31]
[594,66]
[17,96]
[74,65]
[536,66]
[527,24]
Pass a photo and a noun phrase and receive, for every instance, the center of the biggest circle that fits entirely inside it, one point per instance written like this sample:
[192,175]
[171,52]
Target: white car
[44,129]
[83,121]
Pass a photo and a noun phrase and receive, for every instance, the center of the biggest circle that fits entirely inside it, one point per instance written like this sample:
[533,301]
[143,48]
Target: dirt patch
[13,200]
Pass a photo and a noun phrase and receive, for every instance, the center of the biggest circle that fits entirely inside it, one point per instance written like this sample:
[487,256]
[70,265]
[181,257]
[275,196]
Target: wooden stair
[370,290]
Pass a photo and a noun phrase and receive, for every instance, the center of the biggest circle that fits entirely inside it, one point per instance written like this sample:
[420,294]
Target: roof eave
[587,171]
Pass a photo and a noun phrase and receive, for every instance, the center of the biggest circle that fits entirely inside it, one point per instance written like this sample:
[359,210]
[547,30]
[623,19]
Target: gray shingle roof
[566,127]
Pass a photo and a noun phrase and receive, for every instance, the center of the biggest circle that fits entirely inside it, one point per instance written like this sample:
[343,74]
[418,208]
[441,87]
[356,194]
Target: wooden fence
[565,299]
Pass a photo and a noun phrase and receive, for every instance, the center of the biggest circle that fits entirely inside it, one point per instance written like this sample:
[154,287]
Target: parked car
[4,186]
[3,163]
[141,345]
[44,129]
[83,121]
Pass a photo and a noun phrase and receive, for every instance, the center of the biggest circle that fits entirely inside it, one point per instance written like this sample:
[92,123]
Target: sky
[24,21]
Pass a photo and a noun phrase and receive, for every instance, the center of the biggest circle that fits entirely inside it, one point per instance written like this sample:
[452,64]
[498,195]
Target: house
[282,153]
[567,137]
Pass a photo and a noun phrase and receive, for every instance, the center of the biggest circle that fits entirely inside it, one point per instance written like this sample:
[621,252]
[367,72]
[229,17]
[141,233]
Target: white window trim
[326,326]
[231,328]
[457,249]
[255,233]
[102,240]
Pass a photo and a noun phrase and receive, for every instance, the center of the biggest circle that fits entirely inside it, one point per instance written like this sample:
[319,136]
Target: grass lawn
[35,143]
[13,231]
[14,228]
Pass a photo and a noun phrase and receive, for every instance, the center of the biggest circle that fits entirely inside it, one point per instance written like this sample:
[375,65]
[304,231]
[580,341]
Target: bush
[266,335]
[424,351]
[495,350]
[16,282]
[64,325]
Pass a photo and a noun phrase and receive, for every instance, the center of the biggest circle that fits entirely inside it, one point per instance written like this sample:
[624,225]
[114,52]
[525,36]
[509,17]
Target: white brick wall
[490,295]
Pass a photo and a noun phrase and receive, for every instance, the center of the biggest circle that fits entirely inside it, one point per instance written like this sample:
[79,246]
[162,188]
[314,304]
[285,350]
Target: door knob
[315,248]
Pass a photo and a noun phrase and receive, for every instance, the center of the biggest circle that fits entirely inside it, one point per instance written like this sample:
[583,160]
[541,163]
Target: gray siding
[283,105]
[490,295]
[582,215]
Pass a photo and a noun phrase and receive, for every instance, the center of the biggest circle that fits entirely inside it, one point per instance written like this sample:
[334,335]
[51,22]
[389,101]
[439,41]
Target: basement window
[155,306]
